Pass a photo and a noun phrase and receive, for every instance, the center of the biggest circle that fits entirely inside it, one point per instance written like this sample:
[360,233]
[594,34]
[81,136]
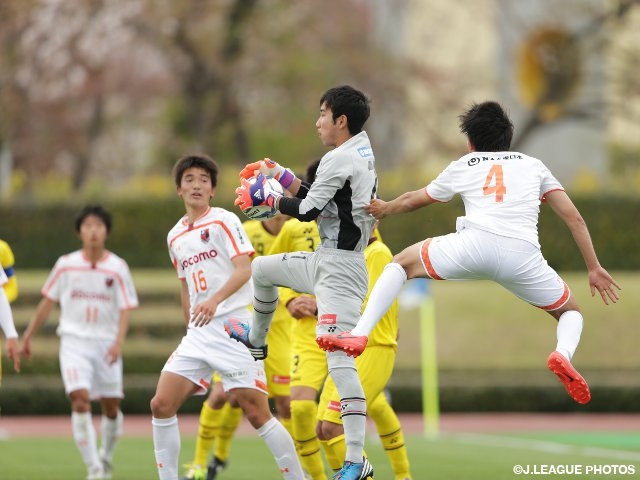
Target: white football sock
[568,333]
[84,435]
[166,444]
[383,293]
[282,448]
[111,431]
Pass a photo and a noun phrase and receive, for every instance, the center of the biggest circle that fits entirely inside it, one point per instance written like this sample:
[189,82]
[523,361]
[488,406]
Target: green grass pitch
[456,456]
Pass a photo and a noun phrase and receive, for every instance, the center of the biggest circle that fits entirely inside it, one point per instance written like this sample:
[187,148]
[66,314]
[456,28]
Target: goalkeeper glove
[255,194]
[271,169]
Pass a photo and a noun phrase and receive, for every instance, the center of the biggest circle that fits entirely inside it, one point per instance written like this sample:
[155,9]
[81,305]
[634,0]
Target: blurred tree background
[98,98]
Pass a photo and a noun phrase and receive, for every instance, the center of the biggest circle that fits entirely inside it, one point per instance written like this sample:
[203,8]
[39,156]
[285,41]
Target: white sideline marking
[543,446]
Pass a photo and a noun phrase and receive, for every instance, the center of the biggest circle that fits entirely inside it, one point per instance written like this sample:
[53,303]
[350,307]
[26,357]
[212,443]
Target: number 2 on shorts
[494,183]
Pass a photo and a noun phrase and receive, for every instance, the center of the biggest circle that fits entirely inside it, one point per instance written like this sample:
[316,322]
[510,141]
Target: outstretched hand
[600,280]
[377,208]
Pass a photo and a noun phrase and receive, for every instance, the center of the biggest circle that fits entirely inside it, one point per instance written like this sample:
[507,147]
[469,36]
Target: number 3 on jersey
[494,183]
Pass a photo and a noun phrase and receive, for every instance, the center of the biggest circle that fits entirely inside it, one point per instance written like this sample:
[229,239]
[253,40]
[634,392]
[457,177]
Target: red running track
[140,425]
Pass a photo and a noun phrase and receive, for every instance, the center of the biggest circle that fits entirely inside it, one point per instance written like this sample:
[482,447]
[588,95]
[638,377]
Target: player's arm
[204,312]
[115,351]
[43,310]
[599,278]
[9,330]
[407,202]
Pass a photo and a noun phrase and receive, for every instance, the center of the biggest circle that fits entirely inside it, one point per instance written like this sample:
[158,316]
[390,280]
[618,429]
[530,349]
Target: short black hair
[94,210]
[312,168]
[487,126]
[347,101]
[198,160]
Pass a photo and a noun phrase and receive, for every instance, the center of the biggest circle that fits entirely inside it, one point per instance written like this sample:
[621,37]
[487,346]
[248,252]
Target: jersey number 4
[494,183]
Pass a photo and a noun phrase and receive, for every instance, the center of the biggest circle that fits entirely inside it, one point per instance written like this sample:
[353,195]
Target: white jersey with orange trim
[202,254]
[90,295]
[501,191]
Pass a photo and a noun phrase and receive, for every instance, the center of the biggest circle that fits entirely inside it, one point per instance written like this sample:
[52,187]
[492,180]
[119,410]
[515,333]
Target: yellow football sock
[391,436]
[303,416]
[338,447]
[207,432]
[338,450]
[229,421]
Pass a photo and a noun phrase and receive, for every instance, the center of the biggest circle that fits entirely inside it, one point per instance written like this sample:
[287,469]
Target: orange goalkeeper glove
[269,168]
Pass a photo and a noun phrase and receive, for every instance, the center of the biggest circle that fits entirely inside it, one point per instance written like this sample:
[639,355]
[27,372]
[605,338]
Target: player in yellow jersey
[7,260]
[221,415]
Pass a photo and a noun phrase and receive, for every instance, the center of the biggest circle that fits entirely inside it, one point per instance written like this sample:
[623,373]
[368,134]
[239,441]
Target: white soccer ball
[264,212]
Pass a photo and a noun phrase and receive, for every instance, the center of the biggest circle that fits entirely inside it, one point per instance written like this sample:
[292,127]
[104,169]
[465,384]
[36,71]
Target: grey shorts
[338,279]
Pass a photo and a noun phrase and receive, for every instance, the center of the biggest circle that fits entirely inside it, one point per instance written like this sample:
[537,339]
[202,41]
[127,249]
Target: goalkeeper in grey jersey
[336,272]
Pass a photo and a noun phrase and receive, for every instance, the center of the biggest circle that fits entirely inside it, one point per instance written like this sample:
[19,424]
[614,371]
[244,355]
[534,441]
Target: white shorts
[204,350]
[84,366]
[517,265]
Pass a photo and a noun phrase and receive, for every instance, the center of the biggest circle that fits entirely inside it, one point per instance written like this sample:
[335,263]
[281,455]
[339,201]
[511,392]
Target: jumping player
[497,239]
[336,272]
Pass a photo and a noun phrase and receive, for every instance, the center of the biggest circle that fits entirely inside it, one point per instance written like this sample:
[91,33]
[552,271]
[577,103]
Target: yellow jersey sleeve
[8,260]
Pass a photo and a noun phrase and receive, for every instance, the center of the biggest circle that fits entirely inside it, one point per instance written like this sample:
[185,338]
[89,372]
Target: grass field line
[503,441]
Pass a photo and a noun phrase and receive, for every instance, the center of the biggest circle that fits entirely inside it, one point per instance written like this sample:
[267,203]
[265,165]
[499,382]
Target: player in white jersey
[336,272]
[211,253]
[496,240]
[8,327]
[96,293]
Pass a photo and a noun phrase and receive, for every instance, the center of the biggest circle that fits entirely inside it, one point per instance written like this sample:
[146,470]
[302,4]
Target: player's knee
[283,406]
[255,408]
[303,411]
[110,407]
[80,401]
[161,407]
[331,430]
[257,274]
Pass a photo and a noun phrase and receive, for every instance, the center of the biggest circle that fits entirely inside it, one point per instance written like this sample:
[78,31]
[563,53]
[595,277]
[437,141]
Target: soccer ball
[264,212]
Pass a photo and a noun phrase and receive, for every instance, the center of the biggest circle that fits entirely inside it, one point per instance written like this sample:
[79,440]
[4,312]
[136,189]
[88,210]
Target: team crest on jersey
[109,282]
[204,235]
